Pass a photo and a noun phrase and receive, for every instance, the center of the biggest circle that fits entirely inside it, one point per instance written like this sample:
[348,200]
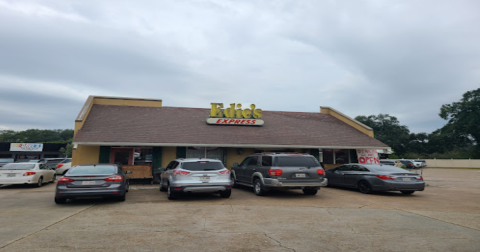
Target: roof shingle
[186,126]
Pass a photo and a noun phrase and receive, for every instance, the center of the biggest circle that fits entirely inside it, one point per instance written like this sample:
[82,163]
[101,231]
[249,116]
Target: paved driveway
[444,217]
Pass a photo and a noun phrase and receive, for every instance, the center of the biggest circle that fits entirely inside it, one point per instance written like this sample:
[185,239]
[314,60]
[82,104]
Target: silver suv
[266,171]
[192,175]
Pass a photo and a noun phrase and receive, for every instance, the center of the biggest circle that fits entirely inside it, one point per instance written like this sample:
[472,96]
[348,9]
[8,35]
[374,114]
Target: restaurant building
[142,134]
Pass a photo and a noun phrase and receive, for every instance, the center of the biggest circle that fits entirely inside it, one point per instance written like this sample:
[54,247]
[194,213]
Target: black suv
[266,171]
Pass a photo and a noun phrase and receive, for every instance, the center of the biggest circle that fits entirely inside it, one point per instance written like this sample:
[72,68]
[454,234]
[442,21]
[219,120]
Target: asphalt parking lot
[444,217]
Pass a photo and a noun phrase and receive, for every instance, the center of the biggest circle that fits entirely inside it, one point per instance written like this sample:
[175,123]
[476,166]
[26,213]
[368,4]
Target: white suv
[192,175]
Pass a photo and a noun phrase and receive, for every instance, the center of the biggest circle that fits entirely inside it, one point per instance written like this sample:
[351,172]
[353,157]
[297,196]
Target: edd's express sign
[235,115]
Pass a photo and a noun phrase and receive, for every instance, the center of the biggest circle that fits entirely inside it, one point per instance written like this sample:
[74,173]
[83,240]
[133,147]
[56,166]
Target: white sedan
[26,173]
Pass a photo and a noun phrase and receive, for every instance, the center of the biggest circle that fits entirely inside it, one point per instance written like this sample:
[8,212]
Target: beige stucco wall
[168,154]
[453,163]
[85,154]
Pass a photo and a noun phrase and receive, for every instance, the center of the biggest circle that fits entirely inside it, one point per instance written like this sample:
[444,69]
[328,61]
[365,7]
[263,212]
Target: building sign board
[235,115]
[368,157]
[26,147]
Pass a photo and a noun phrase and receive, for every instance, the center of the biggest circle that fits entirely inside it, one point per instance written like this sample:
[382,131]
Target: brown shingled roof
[177,126]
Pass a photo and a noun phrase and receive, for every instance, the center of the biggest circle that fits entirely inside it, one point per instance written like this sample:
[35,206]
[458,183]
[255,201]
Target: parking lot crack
[278,242]
[336,218]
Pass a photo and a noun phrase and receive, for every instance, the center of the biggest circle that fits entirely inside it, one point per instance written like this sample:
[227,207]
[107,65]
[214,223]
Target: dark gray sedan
[369,177]
[96,180]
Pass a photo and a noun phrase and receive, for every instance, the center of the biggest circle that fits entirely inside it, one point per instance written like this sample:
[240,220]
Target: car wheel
[364,187]
[310,191]
[60,200]
[234,184]
[170,194]
[258,188]
[162,188]
[54,178]
[122,197]
[226,193]
[407,192]
[40,182]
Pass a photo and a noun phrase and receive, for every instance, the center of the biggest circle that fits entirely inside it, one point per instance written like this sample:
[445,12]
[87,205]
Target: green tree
[388,130]
[36,136]
[464,118]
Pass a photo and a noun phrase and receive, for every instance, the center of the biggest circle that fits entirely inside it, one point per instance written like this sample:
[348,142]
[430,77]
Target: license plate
[406,179]
[300,175]
[204,178]
[11,175]
[88,182]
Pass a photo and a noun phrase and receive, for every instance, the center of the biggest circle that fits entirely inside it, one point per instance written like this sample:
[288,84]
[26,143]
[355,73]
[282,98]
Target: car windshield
[6,160]
[92,170]
[302,161]
[202,166]
[18,166]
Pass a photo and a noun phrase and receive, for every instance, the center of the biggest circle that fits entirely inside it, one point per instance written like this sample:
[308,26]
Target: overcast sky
[403,58]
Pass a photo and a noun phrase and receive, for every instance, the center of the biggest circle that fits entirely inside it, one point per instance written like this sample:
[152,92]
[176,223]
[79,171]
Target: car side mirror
[128,172]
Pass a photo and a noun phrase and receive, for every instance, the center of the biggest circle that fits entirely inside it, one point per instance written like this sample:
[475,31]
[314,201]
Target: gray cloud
[403,58]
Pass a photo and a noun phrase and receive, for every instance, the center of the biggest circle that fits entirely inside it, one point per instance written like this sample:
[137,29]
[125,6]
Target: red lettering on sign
[231,121]
[218,121]
[243,121]
[237,121]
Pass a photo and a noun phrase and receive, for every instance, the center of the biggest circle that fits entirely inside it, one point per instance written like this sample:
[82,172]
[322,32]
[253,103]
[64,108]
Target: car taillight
[60,165]
[419,177]
[384,177]
[64,180]
[177,172]
[275,172]
[321,172]
[29,173]
[225,172]
[114,179]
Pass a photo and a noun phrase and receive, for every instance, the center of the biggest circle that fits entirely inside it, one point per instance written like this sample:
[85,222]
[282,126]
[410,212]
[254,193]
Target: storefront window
[341,156]
[143,156]
[335,156]
[327,156]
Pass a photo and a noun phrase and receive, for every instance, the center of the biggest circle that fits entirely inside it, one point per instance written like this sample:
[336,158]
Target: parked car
[192,175]
[51,162]
[26,173]
[408,163]
[94,180]
[419,163]
[33,160]
[387,162]
[64,166]
[368,178]
[4,161]
[267,171]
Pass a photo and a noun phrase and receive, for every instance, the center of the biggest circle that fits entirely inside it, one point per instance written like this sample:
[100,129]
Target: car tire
[170,194]
[234,184]
[310,191]
[122,197]
[364,187]
[40,182]
[258,188]
[226,193]
[407,192]
[162,188]
[60,200]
